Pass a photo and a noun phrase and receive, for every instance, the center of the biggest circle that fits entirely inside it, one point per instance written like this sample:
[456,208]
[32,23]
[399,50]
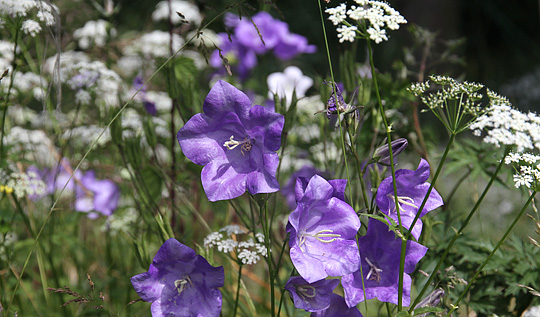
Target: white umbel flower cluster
[505,125]
[94,32]
[372,16]
[189,10]
[227,240]
[527,170]
[25,9]
[23,184]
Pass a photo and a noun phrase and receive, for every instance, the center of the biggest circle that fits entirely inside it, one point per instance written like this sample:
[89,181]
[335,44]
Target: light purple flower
[311,297]
[411,190]
[322,231]
[289,189]
[148,104]
[236,143]
[96,195]
[380,252]
[338,307]
[180,283]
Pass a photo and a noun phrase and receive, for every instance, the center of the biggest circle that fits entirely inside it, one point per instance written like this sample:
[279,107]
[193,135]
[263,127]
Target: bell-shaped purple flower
[311,297]
[380,252]
[96,195]
[180,283]
[411,190]
[322,231]
[236,143]
[338,307]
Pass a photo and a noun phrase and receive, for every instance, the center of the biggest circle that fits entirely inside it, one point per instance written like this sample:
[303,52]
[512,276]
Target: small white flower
[189,10]
[248,257]
[346,33]
[337,14]
[284,84]
[31,27]
[232,229]
[227,245]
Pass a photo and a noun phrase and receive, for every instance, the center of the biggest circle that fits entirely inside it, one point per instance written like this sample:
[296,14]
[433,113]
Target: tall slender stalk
[457,234]
[510,228]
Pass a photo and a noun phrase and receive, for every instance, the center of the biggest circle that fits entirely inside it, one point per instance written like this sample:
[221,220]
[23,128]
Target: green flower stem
[493,251]
[238,288]
[342,137]
[457,234]
[392,166]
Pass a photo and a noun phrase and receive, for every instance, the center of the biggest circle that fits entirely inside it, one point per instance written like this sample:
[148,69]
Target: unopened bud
[382,154]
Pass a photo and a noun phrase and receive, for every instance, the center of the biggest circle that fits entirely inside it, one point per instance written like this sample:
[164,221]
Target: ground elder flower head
[23,184]
[527,171]
[373,17]
[456,104]
[233,238]
[505,125]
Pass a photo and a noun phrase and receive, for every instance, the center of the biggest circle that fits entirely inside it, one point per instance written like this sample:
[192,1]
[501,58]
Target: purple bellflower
[322,230]
[338,307]
[96,195]
[380,252]
[311,297]
[411,190]
[180,283]
[248,41]
[235,142]
[148,104]
[288,191]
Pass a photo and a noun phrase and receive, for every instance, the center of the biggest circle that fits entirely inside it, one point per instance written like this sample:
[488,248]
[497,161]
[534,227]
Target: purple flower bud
[382,153]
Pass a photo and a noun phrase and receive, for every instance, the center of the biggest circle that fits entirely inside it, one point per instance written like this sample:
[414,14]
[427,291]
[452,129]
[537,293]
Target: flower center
[306,291]
[246,144]
[403,200]
[319,236]
[374,272]
[181,284]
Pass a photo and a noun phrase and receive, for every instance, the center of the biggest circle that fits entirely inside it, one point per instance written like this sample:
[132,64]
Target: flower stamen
[232,144]
[403,200]
[181,284]
[319,236]
[306,291]
[374,272]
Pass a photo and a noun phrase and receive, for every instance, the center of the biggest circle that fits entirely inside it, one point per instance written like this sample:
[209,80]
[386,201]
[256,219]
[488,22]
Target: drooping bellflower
[235,141]
[310,297]
[180,283]
[411,190]
[322,231]
[380,252]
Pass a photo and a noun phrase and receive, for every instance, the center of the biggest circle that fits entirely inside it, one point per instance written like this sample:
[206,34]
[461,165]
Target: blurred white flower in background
[189,10]
[284,84]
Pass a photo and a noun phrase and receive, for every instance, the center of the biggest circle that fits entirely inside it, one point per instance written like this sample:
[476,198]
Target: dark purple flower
[247,41]
[180,283]
[311,297]
[336,101]
[148,104]
[411,190]
[236,143]
[338,307]
[382,154]
[380,252]
[322,231]
[96,195]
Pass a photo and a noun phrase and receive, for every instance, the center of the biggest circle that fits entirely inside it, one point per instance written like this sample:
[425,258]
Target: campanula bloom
[380,252]
[96,195]
[311,297]
[322,231]
[235,141]
[180,283]
[411,190]
[338,307]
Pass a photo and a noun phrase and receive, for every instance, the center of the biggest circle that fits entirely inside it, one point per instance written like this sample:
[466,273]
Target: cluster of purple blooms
[237,143]
[256,36]
[93,196]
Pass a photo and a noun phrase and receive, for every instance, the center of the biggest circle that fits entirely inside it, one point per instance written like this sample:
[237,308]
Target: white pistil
[306,291]
[181,284]
[232,143]
[373,270]
[403,200]
[319,236]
